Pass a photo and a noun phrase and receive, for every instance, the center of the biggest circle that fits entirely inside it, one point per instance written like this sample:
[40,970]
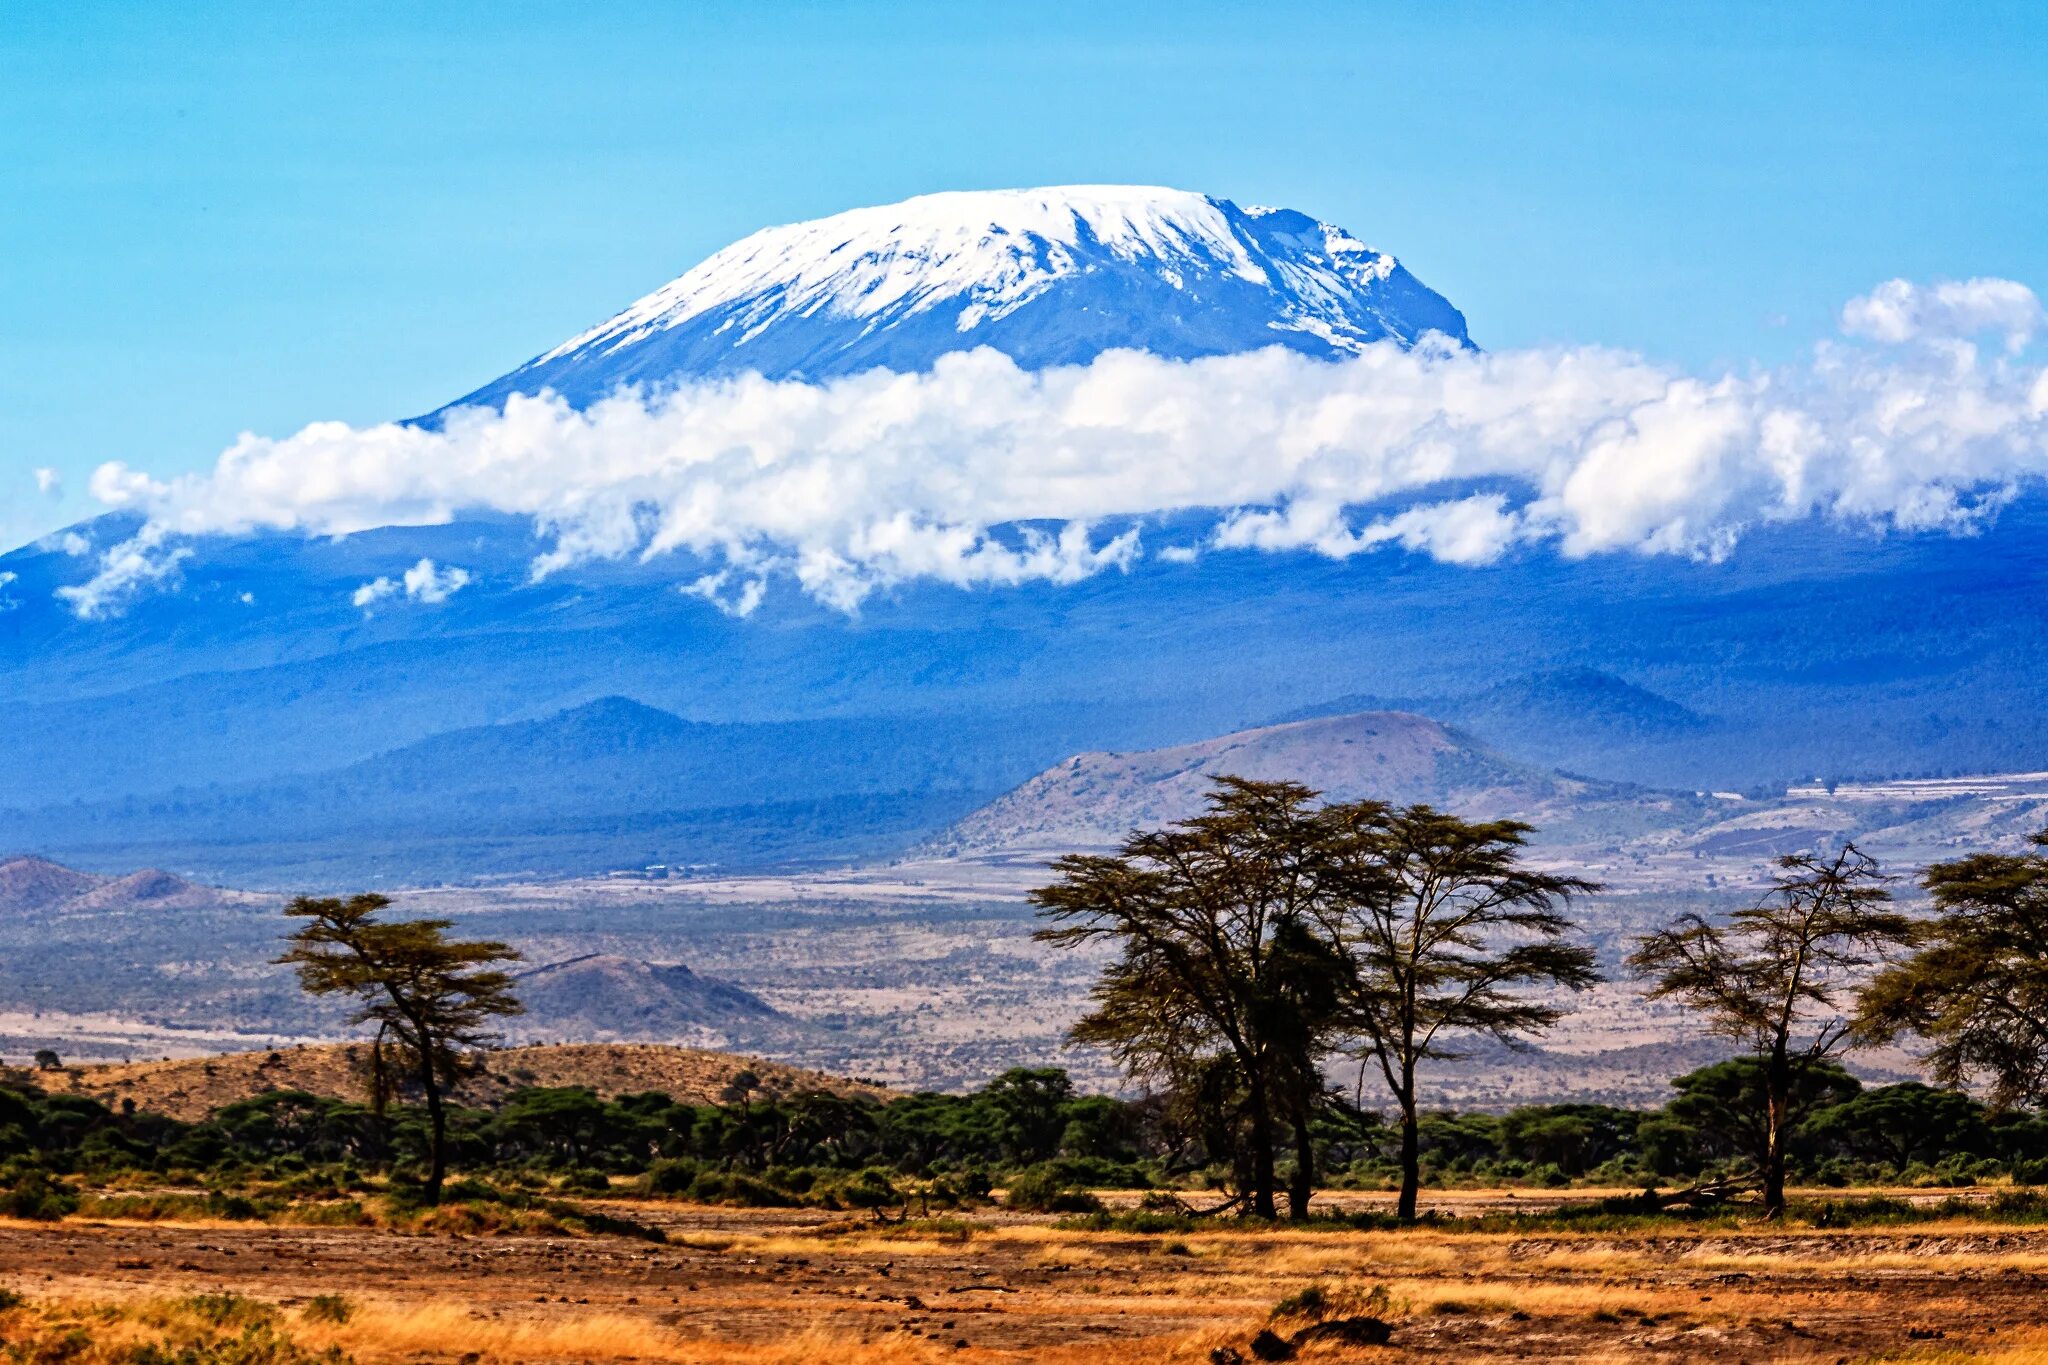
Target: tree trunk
[1303,1186]
[1411,1158]
[437,1127]
[1776,1101]
[1262,1156]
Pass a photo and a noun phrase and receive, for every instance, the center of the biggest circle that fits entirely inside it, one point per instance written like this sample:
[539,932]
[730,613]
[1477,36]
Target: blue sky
[217,218]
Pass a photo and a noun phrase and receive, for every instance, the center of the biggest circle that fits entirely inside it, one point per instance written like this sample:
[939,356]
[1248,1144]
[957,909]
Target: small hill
[1092,800]
[192,1087]
[151,889]
[606,997]
[39,886]
[28,884]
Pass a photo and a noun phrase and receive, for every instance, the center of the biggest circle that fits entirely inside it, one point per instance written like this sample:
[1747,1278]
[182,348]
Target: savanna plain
[1908,1276]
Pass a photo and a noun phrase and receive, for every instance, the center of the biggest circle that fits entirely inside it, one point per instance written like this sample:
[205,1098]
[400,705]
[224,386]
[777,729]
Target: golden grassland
[193,1087]
[732,1285]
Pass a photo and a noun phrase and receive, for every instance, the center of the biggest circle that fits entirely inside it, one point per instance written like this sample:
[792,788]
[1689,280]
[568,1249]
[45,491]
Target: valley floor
[743,1285]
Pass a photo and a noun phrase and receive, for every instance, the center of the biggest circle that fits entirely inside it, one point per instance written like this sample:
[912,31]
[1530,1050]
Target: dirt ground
[776,1285]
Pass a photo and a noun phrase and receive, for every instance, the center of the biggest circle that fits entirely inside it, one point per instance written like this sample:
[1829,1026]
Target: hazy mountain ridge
[1093,800]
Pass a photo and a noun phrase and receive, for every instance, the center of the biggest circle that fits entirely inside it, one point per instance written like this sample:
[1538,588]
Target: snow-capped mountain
[1047,276]
[268,713]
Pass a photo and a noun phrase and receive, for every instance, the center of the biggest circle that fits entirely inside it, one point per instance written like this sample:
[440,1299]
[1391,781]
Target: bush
[38,1198]
[1043,1189]
[336,1308]
[1096,1173]
[671,1175]
[868,1189]
[730,1187]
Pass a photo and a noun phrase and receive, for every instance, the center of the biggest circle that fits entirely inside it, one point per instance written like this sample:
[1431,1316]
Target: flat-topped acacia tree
[1777,976]
[1219,988]
[1269,934]
[1977,989]
[1445,934]
[430,996]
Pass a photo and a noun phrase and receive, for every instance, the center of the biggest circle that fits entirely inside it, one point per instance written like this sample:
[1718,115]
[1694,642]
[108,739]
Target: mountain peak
[1047,276]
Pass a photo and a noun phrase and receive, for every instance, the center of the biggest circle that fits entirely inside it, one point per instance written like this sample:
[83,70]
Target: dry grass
[755,1287]
[2026,1347]
[232,1331]
[190,1088]
[449,1328]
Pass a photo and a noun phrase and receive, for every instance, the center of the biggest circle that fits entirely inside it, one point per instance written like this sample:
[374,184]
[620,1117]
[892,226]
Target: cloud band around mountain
[859,483]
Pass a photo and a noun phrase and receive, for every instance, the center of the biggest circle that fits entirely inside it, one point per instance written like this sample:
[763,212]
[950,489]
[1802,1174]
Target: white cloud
[49,483]
[978,473]
[1899,311]
[735,597]
[145,560]
[426,583]
[373,592]
[423,582]
[8,601]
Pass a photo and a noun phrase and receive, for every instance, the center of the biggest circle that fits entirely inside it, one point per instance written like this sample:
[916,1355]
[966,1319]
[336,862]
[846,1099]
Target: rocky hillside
[606,997]
[1092,800]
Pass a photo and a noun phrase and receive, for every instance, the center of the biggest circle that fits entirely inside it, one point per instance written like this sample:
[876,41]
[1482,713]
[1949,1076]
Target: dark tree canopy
[1217,989]
[431,997]
[1444,934]
[1775,978]
[1269,934]
[1977,989]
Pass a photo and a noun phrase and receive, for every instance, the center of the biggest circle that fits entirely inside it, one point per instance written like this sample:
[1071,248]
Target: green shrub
[1043,1189]
[671,1175]
[38,1198]
[867,1189]
[731,1187]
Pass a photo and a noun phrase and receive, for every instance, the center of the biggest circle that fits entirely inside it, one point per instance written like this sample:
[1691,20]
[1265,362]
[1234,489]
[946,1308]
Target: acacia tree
[1220,987]
[1978,987]
[1442,931]
[1772,979]
[429,996]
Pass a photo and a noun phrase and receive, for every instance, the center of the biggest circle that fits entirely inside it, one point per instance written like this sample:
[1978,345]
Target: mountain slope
[607,784]
[1047,276]
[1093,800]
[32,884]
[1584,719]
[606,997]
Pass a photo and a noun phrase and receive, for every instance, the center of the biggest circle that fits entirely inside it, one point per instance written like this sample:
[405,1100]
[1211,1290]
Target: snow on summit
[1047,276]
